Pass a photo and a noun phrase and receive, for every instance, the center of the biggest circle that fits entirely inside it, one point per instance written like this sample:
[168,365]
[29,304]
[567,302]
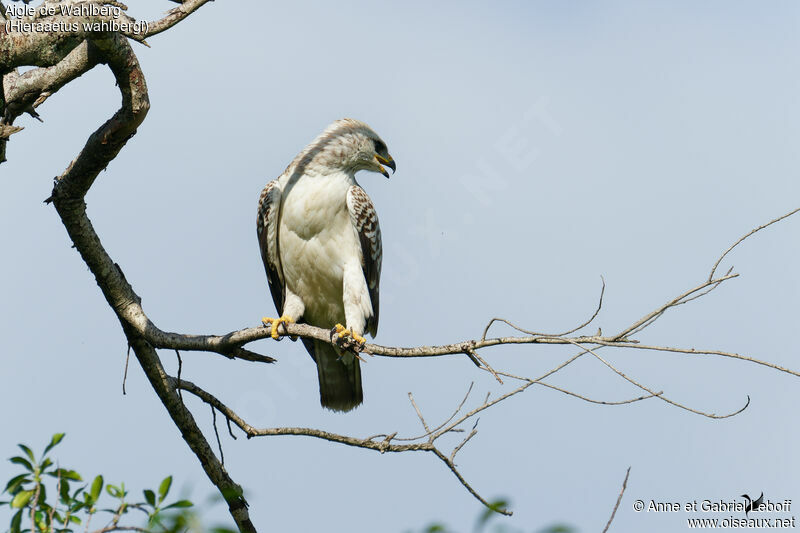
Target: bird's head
[351,145]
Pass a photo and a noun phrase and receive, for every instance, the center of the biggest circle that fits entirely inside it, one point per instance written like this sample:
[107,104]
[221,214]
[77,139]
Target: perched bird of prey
[321,247]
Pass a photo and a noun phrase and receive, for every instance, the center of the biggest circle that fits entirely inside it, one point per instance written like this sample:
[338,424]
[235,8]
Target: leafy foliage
[488,515]
[71,502]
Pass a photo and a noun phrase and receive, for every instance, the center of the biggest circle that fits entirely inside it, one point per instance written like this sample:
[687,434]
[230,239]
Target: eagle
[321,246]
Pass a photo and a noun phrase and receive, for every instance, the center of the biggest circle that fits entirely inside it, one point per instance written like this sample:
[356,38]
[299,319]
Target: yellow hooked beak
[388,161]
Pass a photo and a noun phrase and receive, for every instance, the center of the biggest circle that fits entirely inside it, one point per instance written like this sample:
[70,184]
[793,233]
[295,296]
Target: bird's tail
[339,376]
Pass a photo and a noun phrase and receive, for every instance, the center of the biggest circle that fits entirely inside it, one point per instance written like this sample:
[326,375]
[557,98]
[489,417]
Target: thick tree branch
[28,41]
[32,88]
[174,16]
[62,54]
[68,198]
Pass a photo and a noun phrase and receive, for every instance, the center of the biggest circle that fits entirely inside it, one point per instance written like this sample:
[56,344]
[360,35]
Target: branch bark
[68,198]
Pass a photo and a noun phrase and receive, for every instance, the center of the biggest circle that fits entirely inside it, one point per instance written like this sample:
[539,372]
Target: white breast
[317,241]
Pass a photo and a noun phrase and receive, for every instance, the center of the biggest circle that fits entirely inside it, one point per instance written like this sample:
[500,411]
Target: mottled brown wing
[365,221]
[269,205]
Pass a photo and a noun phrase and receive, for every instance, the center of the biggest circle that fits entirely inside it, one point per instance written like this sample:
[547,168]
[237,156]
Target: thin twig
[180,368]
[661,396]
[472,433]
[383,446]
[486,366]
[601,402]
[428,432]
[228,422]
[419,414]
[568,332]
[219,442]
[125,374]
[619,499]
[749,233]
[650,317]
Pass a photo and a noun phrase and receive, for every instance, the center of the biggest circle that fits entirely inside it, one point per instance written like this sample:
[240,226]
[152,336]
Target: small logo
[753,505]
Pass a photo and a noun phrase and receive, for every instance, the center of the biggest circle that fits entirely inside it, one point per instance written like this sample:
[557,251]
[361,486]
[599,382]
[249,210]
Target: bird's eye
[380,147]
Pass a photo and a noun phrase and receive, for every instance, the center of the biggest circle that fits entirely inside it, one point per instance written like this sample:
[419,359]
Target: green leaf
[15,482]
[113,491]
[88,501]
[45,464]
[74,519]
[66,474]
[22,461]
[179,504]
[53,441]
[21,499]
[15,522]
[39,518]
[155,520]
[492,510]
[559,528]
[97,486]
[150,497]
[28,452]
[64,490]
[163,489]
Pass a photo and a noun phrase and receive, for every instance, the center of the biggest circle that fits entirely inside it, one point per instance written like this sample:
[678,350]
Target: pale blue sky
[539,146]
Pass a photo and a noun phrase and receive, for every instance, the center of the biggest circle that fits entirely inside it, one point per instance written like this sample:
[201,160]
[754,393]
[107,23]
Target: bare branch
[174,16]
[568,332]
[21,45]
[743,237]
[652,316]
[216,432]
[485,365]
[429,432]
[466,485]
[693,351]
[472,433]
[660,395]
[419,414]
[601,402]
[370,443]
[68,198]
[619,499]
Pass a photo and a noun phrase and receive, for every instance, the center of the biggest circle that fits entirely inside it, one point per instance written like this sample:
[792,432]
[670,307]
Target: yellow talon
[274,323]
[344,332]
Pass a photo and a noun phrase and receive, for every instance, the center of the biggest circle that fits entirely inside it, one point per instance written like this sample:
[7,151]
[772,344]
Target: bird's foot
[342,332]
[273,323]
[347,338]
